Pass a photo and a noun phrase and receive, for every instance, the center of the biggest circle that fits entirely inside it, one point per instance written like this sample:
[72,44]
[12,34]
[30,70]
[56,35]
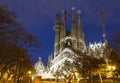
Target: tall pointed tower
[64,39]
[66,42]
[81,42]
[57,35]
[74,30]
[63,30]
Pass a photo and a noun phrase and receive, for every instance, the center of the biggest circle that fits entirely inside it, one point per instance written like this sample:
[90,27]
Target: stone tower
[57,35]
[74,30]
[64,39]
[81,42]
[63,31]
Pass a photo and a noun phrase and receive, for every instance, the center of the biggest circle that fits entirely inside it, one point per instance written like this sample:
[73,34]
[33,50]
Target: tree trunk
[19,70]
[100,78]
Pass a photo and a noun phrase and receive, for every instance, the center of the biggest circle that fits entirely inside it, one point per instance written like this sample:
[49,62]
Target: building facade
[65,41]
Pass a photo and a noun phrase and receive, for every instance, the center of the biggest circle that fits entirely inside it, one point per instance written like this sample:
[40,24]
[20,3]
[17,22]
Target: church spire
[63,30]
[57,35]
[80,34]
[80,31]
[73,29]
[63,25]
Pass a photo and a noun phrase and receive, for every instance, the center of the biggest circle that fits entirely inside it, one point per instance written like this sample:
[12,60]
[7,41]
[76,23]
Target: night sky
[38,17]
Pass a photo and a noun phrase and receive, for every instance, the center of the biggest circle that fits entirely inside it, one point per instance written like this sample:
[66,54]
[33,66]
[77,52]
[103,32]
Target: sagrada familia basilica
[64,43]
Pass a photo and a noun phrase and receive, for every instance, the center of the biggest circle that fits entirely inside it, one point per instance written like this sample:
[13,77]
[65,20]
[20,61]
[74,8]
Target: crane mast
[103,27]
[107,50]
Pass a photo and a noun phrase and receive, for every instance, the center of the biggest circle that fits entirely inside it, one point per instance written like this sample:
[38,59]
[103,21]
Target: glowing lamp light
[29,72]
[32,78]
[111,67]
[11,75]
[114,67]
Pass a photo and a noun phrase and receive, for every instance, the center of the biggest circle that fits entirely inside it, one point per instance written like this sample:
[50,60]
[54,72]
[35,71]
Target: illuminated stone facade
[65,41]
[63,38]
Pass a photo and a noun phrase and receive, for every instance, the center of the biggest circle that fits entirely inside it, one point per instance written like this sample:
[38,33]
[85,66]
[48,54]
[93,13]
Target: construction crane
[56,8]
[103,26]
[107,49]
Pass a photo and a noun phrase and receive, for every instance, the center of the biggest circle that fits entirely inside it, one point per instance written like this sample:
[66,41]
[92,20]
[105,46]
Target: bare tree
[15,45]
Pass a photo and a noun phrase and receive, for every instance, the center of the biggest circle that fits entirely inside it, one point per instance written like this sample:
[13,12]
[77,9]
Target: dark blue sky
[38,17]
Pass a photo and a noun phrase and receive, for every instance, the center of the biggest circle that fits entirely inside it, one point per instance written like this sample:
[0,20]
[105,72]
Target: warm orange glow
[11,74]
[111,68]
[29,72]
[114,67]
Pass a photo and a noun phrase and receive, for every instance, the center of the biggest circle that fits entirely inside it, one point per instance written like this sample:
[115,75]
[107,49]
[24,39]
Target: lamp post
[29,73]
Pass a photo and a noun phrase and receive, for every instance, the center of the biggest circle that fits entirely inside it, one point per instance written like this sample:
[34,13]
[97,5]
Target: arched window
[68,43]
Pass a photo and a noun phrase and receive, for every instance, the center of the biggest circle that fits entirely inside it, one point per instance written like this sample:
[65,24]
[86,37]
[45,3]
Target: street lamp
[29,73]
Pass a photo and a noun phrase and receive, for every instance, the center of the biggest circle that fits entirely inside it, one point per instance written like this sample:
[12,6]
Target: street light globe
[113,67]
[109,67]
[29,72]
